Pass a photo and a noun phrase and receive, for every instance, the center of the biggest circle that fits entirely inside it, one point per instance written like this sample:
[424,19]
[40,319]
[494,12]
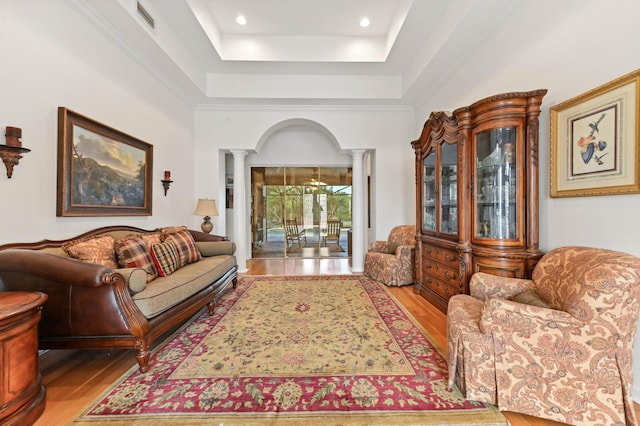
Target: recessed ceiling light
[364,22]
[241,20]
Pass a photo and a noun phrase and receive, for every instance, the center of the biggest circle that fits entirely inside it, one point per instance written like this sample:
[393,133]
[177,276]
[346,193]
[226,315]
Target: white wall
[299,145]
[578,45]
[54,55]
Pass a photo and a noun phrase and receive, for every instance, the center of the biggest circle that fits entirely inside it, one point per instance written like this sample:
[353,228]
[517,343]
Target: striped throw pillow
[165,257]
[187,250]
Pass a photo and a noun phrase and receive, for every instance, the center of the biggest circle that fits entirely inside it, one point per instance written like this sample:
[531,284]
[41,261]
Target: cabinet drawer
[442,288]
[441,271]
[443,255]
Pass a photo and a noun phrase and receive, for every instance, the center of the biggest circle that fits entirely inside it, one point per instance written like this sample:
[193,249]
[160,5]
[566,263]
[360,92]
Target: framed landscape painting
[595,141]
[101,171]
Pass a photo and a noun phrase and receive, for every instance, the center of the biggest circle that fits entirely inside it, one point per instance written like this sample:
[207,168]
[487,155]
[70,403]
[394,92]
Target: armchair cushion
[530,297]
[392,247]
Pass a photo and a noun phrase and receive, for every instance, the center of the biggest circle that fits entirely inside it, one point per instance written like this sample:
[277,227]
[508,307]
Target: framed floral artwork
[595,141]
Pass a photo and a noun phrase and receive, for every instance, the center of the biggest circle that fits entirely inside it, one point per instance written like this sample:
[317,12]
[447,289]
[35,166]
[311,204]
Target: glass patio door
[300,211]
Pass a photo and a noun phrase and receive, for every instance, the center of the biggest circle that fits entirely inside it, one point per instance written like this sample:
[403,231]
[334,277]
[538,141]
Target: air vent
[146,16]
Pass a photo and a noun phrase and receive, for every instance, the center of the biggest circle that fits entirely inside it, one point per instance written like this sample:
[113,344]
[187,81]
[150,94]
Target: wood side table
[22,394]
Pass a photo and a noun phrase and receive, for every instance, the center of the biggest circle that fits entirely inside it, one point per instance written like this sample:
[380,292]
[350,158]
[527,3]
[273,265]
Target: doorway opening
[301,212]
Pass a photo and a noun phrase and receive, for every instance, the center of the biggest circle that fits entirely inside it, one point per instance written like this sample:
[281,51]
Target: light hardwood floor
[75,378]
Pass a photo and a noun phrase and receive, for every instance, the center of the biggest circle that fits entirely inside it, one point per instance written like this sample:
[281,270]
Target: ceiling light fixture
[241,20]
[364,22]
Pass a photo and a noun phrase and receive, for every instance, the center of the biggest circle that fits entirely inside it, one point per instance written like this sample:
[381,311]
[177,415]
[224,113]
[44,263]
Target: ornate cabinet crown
[477,194]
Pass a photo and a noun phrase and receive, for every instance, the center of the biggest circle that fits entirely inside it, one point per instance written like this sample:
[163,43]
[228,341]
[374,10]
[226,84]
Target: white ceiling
[301,51]
[302,30]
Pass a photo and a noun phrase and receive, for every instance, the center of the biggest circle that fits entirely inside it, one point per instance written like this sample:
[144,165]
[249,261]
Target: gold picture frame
[595,141]
[101,171]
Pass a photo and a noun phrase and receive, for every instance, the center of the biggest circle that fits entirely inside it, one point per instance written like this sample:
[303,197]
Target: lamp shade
[206,207]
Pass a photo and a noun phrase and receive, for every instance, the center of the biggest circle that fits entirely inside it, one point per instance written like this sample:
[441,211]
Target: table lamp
[206,208]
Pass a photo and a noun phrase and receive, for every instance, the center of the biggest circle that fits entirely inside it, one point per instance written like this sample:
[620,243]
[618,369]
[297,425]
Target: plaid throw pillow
[133,253]
[150,239]
[165,257]
[187,250]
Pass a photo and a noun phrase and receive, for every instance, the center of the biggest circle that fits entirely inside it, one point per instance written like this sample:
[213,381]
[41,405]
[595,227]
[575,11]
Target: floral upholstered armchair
[391,262]
[558,346]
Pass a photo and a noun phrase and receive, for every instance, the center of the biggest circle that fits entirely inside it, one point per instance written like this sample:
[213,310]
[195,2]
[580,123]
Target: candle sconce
[11,153]
[166,182]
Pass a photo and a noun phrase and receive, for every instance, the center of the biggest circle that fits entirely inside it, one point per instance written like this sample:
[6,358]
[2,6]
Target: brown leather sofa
[91,306]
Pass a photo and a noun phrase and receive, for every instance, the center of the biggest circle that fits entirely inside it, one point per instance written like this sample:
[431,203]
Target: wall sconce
[11,153]
[206,208]
[166,182]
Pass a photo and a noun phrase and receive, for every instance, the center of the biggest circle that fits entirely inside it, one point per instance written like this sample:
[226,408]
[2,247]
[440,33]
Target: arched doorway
[300,177]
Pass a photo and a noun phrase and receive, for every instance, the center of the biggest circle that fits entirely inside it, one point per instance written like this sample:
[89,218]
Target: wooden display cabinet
[477,194]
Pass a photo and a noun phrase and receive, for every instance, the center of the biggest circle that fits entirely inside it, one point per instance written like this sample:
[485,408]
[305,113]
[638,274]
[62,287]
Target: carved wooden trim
[42,244]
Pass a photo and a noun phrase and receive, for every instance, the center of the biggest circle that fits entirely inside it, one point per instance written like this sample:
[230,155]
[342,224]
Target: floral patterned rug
[331,350]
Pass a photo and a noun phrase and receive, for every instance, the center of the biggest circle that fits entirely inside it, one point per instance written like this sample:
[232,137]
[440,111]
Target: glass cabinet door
[429,192]
[496,196]
[449,185]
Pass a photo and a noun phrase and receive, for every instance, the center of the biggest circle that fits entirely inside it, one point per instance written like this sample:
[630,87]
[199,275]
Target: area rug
[295,350]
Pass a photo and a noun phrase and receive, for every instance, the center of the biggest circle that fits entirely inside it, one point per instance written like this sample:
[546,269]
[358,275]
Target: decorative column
[366,169]
[239,208]
[358,212]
